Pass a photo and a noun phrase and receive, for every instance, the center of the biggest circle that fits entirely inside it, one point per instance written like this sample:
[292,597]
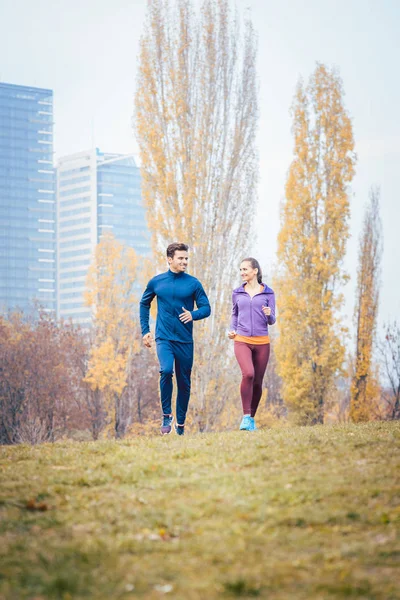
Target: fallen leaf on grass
[62,468]
[167,535]
[139,499]
[160,535]
[164,589]
[33,505]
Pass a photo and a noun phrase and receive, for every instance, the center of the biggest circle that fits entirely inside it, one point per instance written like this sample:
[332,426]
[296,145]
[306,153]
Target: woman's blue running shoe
[247,423]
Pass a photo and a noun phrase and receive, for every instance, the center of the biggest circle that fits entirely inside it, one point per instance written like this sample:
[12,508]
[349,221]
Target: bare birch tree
[389,349]
[196,115]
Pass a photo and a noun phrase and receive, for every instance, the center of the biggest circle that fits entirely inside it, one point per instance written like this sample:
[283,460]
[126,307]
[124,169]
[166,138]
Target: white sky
[86,51]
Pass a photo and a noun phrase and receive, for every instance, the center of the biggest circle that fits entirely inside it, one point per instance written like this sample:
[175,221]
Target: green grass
[300,513]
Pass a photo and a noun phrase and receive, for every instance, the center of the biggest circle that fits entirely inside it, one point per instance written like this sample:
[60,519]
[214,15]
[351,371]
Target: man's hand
[186,316]
[148,340]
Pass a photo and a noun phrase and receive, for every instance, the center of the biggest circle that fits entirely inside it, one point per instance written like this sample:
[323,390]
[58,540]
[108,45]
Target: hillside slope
[297,513]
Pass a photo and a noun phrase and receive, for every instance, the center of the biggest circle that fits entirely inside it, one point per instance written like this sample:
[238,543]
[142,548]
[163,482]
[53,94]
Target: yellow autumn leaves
[364,386]
[112,295]
[311,246]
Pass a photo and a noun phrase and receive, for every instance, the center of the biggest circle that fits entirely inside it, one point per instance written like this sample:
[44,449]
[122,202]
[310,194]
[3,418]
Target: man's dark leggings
[182,355]
[253,360]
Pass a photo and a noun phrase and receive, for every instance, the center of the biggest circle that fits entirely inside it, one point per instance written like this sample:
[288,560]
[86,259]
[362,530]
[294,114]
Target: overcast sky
[86,52]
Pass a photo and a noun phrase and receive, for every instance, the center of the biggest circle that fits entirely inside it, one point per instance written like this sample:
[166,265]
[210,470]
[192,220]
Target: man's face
[179,263]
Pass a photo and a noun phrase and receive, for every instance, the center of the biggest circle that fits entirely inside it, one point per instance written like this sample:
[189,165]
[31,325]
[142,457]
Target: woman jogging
[253,309]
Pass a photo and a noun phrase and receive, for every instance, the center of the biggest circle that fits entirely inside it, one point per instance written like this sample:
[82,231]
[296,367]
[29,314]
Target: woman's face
[247,272]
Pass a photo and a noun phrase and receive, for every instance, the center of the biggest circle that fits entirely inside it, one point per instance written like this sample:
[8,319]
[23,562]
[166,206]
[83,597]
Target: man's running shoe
[166,425]
[180,429]
[247,423]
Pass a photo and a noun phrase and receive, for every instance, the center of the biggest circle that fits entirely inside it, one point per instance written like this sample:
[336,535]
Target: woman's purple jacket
[247,316]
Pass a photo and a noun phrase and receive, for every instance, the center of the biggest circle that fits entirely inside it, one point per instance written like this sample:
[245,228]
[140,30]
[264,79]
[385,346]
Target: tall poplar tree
[366,311]
[196,115]
[311,246]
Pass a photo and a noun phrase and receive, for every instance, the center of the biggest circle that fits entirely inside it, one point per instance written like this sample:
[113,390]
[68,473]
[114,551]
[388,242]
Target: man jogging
[176,293]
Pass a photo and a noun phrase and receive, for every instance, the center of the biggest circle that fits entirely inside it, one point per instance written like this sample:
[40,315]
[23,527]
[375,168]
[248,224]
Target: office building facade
[96,193]
[27,199]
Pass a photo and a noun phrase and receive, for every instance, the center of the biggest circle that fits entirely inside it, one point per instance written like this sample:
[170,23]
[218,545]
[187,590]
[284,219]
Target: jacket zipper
[173,303]
[251,311]
[251,315]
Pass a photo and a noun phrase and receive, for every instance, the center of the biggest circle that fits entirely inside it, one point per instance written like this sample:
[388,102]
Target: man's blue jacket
[173,291]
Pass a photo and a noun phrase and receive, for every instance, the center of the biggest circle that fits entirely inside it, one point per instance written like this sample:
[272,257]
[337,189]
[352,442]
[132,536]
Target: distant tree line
[45,393]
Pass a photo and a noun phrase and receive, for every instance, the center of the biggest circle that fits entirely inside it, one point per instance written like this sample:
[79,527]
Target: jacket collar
[241,289]
[176,274]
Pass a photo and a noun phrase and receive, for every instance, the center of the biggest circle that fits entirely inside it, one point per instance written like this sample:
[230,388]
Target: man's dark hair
[172,248]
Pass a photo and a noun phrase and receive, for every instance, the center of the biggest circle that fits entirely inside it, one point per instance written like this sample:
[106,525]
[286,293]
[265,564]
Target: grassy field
[299,513]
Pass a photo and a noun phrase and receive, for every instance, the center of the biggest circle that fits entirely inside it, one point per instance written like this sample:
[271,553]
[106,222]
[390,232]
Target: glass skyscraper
[27,199]
[96,192]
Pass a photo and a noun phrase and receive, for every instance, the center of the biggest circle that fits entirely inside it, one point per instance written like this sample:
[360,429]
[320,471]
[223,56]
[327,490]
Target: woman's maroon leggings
[253,361]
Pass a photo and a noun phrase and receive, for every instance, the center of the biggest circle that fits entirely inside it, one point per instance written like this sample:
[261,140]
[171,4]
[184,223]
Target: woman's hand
[266,310]
[231,334]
